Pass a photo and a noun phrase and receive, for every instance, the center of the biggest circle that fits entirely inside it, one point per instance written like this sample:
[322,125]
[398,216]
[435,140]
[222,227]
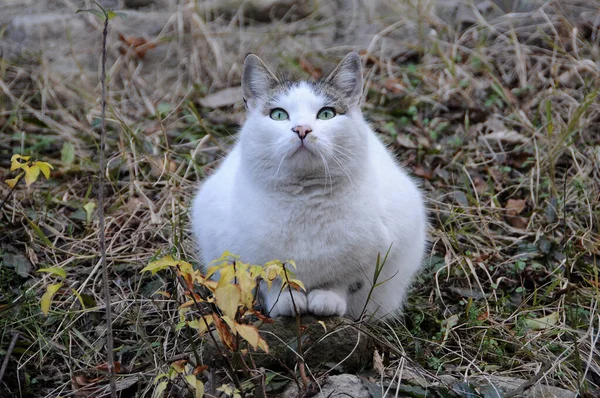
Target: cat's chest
[304,227]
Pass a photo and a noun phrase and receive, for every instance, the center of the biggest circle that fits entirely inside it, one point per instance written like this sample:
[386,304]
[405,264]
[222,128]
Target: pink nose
[302,131]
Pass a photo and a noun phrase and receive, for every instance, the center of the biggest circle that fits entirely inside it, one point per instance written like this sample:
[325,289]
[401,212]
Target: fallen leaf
[515,206]
[47,297]
[543,323]
[423,172]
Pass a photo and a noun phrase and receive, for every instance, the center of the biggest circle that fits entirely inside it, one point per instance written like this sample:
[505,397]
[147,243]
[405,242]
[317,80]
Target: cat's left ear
[347,77]
[257,80]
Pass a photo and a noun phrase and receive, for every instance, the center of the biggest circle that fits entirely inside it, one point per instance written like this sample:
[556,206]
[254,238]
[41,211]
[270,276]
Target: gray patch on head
[355,287]
[334,98]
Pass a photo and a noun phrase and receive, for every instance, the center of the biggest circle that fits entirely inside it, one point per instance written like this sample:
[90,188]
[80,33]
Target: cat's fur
[331,202]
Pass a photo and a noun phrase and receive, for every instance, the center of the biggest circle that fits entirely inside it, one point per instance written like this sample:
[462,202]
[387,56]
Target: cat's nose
[302,131]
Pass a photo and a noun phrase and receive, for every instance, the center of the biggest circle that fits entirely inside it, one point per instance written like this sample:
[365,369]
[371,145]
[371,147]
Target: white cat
[309,180]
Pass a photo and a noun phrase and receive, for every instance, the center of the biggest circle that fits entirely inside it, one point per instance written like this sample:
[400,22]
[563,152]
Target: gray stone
[342,346]
[344,385]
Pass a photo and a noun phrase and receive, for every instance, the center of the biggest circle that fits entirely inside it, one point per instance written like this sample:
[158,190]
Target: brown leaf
[224,332]
[518,222]
[423,171]
[139,45]
[199,369]
[104,367]
[179,366]
[514,206]
[314,71]
[394,85]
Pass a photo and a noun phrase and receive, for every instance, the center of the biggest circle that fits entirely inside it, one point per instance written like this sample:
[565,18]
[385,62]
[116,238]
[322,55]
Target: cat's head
[303,128]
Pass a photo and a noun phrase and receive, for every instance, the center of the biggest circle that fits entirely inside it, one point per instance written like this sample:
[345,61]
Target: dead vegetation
[499,117]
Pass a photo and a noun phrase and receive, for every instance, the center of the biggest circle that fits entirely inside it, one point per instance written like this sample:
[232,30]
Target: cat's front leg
[327,302]
[281,302]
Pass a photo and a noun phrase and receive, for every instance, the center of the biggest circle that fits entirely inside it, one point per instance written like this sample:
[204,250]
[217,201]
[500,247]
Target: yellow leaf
[45,168]
[89,211]
[250,334]
[47,297]
[228,298]
[160,389]
[54,271]
[31,174]
[15,164]
[200,325]
[227,273]
[296,284]
[14,181]
[199,389]
[322,324]
[292,263]
[542,323]
[191,381]
[160,265]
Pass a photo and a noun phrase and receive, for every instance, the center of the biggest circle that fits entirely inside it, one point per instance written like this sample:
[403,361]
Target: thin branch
[11,347]
[9,194]
[109,333]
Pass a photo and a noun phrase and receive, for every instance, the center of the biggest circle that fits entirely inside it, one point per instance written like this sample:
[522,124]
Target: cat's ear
[257,80]
[347,77]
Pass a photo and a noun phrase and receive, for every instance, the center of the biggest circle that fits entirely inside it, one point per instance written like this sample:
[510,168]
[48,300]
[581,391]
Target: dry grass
[499,120]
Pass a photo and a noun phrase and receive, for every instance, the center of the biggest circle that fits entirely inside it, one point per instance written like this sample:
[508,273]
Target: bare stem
[9,194]
[301,368]
[109,332]
[11,347]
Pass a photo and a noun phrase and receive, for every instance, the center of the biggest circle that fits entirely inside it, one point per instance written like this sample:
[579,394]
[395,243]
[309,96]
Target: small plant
[30,170]
[227,306]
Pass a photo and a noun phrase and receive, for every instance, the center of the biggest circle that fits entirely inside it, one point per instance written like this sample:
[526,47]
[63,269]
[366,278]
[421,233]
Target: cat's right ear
[257,80]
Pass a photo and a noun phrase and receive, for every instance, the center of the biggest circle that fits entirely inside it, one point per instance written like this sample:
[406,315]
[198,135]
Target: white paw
[326,303]
[283,306]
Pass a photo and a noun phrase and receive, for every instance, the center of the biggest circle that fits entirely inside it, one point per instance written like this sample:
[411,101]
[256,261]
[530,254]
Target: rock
[344,385]
[226,97]
[342,346]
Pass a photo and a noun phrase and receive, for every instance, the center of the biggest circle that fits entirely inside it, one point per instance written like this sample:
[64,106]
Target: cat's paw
[284,306]
[326,303]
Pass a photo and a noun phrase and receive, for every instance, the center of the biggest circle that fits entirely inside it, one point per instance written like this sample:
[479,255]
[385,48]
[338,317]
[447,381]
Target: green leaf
[54,271]
[38,231]
[47,297]
[67,153]
[111,14]
[97,13]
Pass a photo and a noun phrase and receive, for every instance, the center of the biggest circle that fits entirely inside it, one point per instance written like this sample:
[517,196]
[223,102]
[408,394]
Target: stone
[344,385]
[342,346]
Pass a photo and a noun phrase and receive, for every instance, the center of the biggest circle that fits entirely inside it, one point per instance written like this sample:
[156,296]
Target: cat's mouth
[302,148]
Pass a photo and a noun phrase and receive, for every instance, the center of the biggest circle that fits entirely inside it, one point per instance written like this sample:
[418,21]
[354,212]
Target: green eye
[326,114]
[279,114]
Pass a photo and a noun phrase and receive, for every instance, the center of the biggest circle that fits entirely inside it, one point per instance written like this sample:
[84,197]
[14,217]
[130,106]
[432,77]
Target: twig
[109,332]
[303,376]
[11,347]
[529,383]
[9,194]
